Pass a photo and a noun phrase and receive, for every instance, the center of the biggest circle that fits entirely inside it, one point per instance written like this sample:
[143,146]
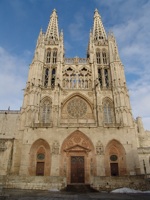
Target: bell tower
[44,76]
[109,80]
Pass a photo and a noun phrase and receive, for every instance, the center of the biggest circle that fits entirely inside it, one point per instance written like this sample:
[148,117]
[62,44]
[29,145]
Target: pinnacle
[96,10]
[52,30]
[98,28]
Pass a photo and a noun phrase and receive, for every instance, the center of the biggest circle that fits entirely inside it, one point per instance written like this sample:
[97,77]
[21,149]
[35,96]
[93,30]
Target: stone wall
[110,183]
[33,182]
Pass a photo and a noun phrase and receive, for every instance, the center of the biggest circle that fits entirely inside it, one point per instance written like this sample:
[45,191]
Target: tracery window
[104,55]
[108,112]
[106,77]
[46,77]
[48,56]
[77,107]
[80,79]
[54,56]
[53,78]
[100,76]
[45,111]
[98,57]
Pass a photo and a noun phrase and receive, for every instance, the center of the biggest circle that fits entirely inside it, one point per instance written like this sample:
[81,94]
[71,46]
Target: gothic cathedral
[75,124]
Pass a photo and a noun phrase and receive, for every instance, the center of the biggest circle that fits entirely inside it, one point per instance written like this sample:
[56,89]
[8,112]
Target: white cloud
[76,28]
[12,79]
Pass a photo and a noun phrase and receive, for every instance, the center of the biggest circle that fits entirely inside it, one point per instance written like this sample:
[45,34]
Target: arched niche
[115,159]
[40,158]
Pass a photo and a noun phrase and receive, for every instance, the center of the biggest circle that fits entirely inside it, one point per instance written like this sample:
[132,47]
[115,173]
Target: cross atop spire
[98,28]
[52,29]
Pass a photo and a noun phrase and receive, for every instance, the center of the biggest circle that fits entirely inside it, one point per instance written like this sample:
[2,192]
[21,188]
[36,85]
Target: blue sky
[21,20]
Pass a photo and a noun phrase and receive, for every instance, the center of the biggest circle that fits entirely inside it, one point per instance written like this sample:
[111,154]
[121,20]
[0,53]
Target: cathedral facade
[75,124]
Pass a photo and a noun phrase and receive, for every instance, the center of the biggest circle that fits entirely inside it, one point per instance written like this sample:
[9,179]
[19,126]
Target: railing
[9,111]
[76,60]
[109,125]
[42,125]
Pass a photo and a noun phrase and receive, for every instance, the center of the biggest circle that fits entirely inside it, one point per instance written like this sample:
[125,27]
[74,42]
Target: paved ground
[46,195]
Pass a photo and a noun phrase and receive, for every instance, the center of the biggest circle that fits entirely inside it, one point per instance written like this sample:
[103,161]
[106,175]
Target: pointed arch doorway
[78,163]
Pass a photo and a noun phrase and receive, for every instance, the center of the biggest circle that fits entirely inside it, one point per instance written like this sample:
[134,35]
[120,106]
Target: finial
[96,10]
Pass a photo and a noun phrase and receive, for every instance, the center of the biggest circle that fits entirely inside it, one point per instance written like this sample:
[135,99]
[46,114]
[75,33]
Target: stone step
[79,188]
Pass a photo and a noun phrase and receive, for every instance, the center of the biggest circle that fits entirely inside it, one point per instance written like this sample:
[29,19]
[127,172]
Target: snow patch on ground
[128,190]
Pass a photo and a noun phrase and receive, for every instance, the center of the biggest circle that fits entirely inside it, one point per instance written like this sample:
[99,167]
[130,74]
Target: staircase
[79,188]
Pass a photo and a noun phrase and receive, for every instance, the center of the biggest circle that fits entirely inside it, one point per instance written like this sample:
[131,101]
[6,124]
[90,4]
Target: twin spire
[52,29]
[98,28]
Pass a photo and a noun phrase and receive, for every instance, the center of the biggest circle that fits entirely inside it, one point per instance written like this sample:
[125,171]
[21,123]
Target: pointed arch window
[46,77]
[100,76]
[48,56]
[54,56]
[108,112]
[98,57]
[45,111]
[104,55]
[53,75]
[106,77]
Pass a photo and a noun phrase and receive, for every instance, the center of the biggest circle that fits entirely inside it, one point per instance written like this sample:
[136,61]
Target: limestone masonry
[76,123]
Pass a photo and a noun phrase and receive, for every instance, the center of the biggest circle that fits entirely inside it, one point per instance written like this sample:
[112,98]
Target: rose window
[77,107]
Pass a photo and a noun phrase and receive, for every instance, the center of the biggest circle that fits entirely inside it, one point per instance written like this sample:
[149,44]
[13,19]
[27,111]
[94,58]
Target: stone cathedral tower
[76,123]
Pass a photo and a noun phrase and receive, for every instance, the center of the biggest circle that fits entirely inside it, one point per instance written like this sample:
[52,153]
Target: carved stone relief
[2,145]
[99,148]
[55,148]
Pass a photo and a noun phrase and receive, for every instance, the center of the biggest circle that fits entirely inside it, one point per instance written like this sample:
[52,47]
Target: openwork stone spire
[52,29]
[98,28]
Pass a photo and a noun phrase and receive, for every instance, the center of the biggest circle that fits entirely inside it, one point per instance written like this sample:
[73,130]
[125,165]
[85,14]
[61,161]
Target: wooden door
[77,169]
[40,169]
[114,169]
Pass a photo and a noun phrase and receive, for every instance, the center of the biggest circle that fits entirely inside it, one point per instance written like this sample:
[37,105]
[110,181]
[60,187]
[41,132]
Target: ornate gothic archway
[115,159]
[40,158]
[78,161]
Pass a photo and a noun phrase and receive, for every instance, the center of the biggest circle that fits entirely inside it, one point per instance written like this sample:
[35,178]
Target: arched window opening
[108,113]
[48,57]
[98,57]
[46,76]
[104,55]
[100,76]
[53,75]
[106,77]
[54,56]
[79,79]
[45,112]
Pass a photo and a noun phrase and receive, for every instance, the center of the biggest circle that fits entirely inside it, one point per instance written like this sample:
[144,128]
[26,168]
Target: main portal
[77,169]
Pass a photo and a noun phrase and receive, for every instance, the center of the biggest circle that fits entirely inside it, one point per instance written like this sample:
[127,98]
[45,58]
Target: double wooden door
[77,169]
